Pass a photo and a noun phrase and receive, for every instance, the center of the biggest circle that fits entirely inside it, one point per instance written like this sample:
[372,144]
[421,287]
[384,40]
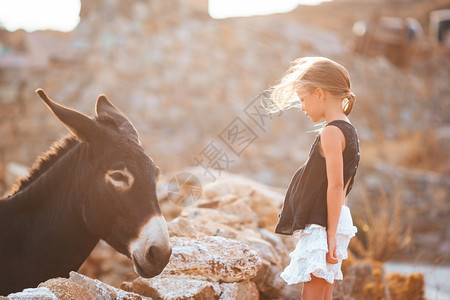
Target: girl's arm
[333,143]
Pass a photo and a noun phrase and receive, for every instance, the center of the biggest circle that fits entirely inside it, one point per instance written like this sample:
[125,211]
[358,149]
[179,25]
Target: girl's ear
[320,93]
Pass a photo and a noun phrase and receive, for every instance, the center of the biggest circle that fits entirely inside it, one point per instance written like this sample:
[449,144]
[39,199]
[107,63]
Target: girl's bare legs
[329,291]
[314,289]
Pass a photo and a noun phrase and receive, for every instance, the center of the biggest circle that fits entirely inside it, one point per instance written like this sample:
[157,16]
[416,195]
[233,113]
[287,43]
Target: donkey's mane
[57,150]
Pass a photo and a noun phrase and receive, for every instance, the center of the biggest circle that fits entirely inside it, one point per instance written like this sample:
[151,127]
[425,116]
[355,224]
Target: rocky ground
[223,248]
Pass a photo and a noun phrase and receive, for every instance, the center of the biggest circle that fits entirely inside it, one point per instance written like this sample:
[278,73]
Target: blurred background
[189,73]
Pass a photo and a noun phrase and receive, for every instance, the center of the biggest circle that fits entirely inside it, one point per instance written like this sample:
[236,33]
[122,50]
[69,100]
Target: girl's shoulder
[347,128]
[346,132]
[331,135]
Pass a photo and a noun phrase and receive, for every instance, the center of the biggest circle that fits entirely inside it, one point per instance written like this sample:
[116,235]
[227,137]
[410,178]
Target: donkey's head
[120,203]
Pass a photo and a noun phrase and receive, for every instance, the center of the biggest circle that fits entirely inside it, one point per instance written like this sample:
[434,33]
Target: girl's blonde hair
[304,75]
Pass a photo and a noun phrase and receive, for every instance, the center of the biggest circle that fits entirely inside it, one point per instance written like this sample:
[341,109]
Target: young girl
[315,204]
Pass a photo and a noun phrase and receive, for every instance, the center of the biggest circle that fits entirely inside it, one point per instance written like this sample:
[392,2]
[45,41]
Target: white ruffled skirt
[309,256]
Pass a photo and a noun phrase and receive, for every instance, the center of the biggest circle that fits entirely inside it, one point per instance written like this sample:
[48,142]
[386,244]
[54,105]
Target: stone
[263,273]
[356,276]
[212,228]
[167,288]
[207,214]
[127,286]
[222,200]
[212,258]
[281,246]
[41,293]
[239,290]
[65,289]
[269,282]
[182,227]
[266,204]
[247,218]
[172,288]
[261,200]
[101,290]
[77,286]
[226,187]
[264,249]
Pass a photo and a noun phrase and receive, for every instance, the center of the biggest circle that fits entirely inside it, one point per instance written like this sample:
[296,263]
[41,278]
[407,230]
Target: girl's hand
[331,255]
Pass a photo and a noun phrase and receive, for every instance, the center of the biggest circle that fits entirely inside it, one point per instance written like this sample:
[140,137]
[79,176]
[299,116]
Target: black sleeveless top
[306,197]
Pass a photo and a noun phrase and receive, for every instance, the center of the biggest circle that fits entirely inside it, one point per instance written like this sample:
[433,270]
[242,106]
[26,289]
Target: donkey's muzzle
[151,251]
[156,260]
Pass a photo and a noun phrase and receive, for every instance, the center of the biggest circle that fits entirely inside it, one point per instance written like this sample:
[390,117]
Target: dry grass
[383,235]
[384,232]
[393,286]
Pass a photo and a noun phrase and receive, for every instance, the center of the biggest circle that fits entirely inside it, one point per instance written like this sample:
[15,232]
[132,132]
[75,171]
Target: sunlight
[31,15]
[63,15]
[220,9]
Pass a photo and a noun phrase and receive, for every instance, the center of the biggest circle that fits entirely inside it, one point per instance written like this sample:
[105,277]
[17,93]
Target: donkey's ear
[83,127]
[104,106]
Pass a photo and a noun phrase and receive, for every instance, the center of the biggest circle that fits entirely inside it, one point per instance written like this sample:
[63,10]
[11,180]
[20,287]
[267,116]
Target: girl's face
[311,105]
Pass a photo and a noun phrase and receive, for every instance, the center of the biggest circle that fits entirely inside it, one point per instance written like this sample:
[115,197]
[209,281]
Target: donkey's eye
[121,180]
[119,176]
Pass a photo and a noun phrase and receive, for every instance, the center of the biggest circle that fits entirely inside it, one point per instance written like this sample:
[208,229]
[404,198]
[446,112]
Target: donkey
[95,184]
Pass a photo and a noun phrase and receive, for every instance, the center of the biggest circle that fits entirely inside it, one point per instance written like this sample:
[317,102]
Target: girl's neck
[333,111]
[336,116]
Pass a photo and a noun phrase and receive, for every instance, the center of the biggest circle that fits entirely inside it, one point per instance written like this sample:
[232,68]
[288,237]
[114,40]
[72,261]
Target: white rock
[42,293]
[211,258]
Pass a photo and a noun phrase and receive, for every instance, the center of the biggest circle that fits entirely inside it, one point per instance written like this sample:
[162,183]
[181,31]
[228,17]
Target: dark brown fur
[53,219]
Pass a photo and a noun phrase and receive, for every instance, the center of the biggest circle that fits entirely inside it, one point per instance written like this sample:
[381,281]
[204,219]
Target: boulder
[269,282]
[167,288]
[101,290]
[182,227]
[264,249]
[267,245]
[64,289]
[211,258]
[225,210]
[282,246]
[246,216]
[239,290]
[38,293]
[186,227]
[77,286]
[204,215]
[259,199]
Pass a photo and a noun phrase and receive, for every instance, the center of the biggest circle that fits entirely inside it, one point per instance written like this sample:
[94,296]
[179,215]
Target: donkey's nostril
[158,257]
[151,254]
